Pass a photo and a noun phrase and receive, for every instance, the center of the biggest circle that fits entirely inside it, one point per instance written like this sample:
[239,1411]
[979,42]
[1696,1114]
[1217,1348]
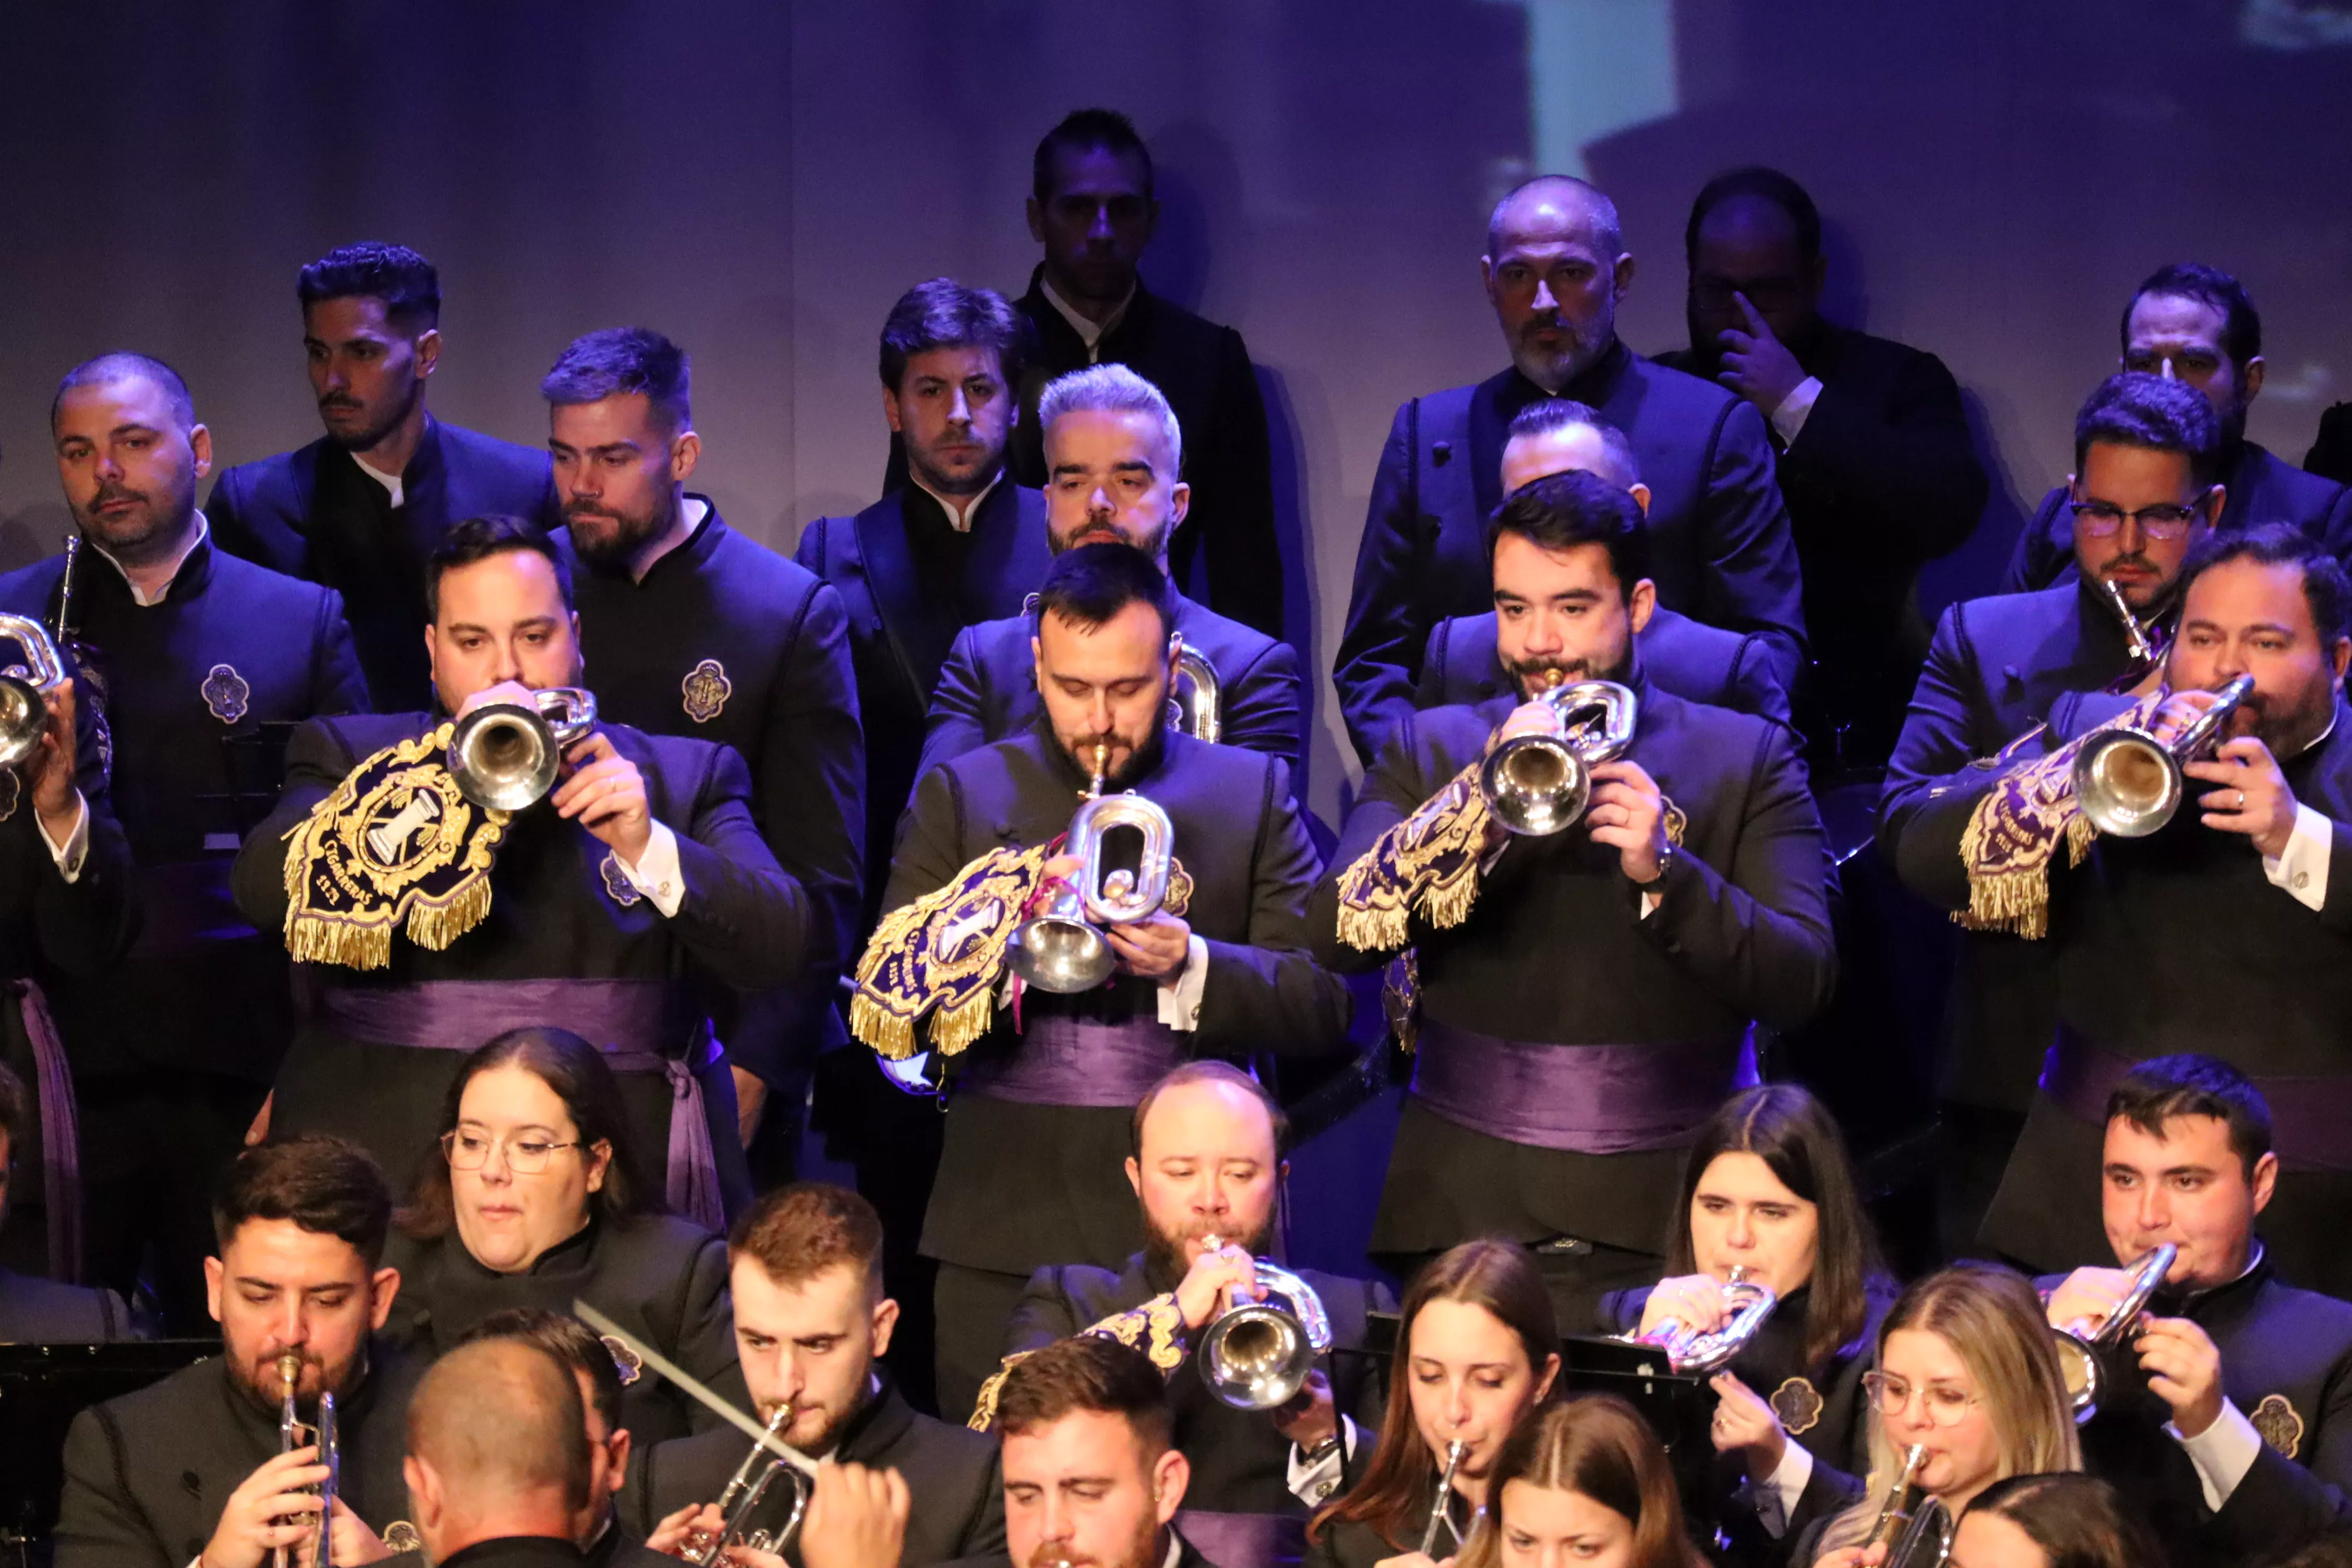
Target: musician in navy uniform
[36,1310]
[1584,998]
[2198,325]
[1113,455]
[194,662]
[1720,542]
[2147,466]
[499,1468]
[602,908]
[192,1466]
[811,1321]
[362,508]
[699,631]
[1037,1123]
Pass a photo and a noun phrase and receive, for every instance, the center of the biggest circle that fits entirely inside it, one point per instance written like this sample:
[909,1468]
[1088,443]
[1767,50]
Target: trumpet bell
[1058,950]
[24,719]
[1257,1354]
[1535,786]
[2128,785]
[2079,1367]
[505,757]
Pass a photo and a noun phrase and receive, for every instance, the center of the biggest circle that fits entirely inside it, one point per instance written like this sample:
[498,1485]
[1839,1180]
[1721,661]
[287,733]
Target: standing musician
[196,1468]
[596,910]
[1585,997]
[1045,1084]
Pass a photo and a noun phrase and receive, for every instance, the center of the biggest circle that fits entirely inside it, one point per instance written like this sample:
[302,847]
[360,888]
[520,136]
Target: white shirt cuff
[1179,994]
[2301,866]
[1788,419]
[76,848]
[1650,902]
[2223,1453]
[656,873]
[1776,1500]
[1314,1484]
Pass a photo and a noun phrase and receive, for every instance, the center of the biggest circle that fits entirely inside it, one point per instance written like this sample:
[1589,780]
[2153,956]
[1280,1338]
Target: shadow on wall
[1974,569]
[32,533]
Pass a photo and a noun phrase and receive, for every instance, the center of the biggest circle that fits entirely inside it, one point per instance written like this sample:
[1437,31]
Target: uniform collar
[1591,386]
[959,517]
[197,542]
[1090,334]
[877,1424]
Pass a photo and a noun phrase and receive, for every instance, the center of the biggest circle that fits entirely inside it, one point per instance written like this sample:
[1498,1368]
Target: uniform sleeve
[1756,684]
[84,925]
[1905,478]
[99,1524]
[1393,790]
[1044,1313]
[742,917]
[338,686]
[808,551]
[958,722]
[706,1332]
[2044,547]
[317,759]
[1388,614]
[1931,785]
[1232,490]
[1271,994]
[1749,577]
[1261,708]
[226,519]
[928,852]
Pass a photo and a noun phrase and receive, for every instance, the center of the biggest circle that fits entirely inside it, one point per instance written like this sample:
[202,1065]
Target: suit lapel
[1009,552]
[890,582]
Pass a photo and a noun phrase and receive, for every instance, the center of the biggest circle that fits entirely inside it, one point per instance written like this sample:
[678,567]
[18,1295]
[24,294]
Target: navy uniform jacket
[311,513]
[1554,952]
[2262,489]
[147,1475]
[726,640]
[958,1494]
[188,685]
[81,926]
[988,688]
[908,583]
[1720,549]
[1695,662]
[1880,481]
[1023,1186]
[37,1312]
[1997,667]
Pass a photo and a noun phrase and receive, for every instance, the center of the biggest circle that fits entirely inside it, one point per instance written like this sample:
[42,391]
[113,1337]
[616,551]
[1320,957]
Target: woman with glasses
[2050,1522]
[539,1198]
[1478,1348]
[1585,1482]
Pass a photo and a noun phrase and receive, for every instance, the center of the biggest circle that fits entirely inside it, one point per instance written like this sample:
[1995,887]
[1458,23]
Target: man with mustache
[1042,1083]
[191,663]
[361,509]
[2147,486]
[1092,1476]
[1584,997]
[189,1470]
[1554,270]
[1115,455]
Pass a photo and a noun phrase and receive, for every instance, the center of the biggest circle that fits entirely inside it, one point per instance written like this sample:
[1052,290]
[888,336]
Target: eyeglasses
[1943,1404]
[2099,519]
[469,1150]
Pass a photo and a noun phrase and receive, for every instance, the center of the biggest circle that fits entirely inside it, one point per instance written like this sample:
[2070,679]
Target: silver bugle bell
[1196,703]
[1256,1354]
[1699,1353]
[24,702]
[1061,948]
[741,1499]
[2081,1350]
[505,756]
[2129,783]
[1539,784]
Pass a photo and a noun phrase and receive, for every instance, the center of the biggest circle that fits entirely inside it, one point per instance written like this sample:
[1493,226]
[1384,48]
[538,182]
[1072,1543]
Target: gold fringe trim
[984,1409]
[1372,930]
[880,1030]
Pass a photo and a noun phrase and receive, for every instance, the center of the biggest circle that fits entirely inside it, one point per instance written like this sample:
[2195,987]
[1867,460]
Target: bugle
[2129,782]
[1256,1354]
[24,700]
[2083,1347]
[1539,784]
[1196,704]
[741,1498]
[505,756]
[1061,947]
[1695,1351]
[1442,1510]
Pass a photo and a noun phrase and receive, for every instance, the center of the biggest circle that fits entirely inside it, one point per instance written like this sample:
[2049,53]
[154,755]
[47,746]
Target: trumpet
[294,1433]
[505,756]
[1700,1352]
[1441,1512]
[2082,1349]
[1196,703]
[2144,651]
[1061,947]
[1256,1355]
[1911,1520]
[1539,784]
[24,701]
[741,1498]
[2129,782]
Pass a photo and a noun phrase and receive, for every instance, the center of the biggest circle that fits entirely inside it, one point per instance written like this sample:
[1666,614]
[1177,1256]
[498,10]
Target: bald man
[1555,270]
[497,1466]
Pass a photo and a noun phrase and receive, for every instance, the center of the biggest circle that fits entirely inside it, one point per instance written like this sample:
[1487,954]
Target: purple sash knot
[1589,1099]
[2311,1118]
[1058,1059]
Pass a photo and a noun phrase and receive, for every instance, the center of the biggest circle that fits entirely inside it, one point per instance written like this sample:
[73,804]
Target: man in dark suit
[362,508]
[2330,457]
[1585,997]
[2192,323]
[2146,459]
[698,631]
[35,1311]
[1872,446]
[499,1465]
[1116,450]
[1554,270]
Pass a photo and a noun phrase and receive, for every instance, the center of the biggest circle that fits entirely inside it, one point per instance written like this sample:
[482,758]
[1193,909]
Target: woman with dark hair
[1585,1481]
[1478,1348]
[537,1198]
[1769,1192]
[2050,1522]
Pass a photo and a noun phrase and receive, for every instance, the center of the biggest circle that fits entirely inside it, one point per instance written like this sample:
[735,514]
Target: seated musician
[2050,1522]
[535,1197]
[1581,1481]
[192,1467]
[1769,1192]
[499,1465]
[1207,1170]
[811,1323]
[1477,1348]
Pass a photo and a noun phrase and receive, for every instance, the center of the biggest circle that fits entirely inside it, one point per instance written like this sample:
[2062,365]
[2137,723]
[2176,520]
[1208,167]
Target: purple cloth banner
[1590,1099]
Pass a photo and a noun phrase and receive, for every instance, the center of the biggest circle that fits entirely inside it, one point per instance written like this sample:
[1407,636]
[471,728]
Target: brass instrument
[1256,1354]
[61,625]
[2082,1349]
[505,756]
[1539,784]
[294,1433]
[2144,651]
[1911,1520]
[1196,703]
[2129,783]
[741,1498]
[1440,1510]
[24,702]
[1061,948]
[1698,1352]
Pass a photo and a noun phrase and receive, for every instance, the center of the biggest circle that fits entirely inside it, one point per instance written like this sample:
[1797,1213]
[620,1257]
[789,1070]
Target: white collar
[1175,1550]
[394,485]
[1088,331]
[690,513]
[960,513]
[203,531]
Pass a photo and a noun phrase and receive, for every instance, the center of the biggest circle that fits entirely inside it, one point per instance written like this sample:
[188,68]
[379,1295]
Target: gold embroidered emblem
[2016,831]
[2281,1427]
[1798,1403]
[1426,864]
[626,1362]
[401,1536]
[941,956]
[707,689]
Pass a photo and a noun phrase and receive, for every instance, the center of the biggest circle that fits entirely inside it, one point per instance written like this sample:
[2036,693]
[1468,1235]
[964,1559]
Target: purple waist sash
[2311,1118]
[1245,1539]
[61,1135]
[1590,1099]
[630,1021]
[1061,1060]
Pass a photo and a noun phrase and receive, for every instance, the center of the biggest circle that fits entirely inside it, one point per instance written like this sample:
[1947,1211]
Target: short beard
[1153,544]
[373,436]
[2284,734]
[1555,369]
[1165,1265]
[618,545]
[958,486]
[170,522]
[1143,1551]
[259,1386]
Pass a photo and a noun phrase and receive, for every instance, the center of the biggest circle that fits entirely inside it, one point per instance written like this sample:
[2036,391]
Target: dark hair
[1086,1372]
[1596,1446]
[15,1110]
[2076,1520]
[569,1341]
[1784,1126]
[1088,130]
[945,314]
[324,1185]
[2328,1549]
[1088,586]
[619,361]
[2189,1085]
[1393,1492]
[2242,324]
[1763,184]
[1547,414]
[2326,588]
[1209,1069]
[1560,511]
[797,1231]
[121,365]
[406,282]
[478,539]
[2131,408]
[576,1073]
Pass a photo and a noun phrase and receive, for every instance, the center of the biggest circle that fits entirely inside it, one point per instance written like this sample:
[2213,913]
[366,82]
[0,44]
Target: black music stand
[1679,1406]
[42,1389]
